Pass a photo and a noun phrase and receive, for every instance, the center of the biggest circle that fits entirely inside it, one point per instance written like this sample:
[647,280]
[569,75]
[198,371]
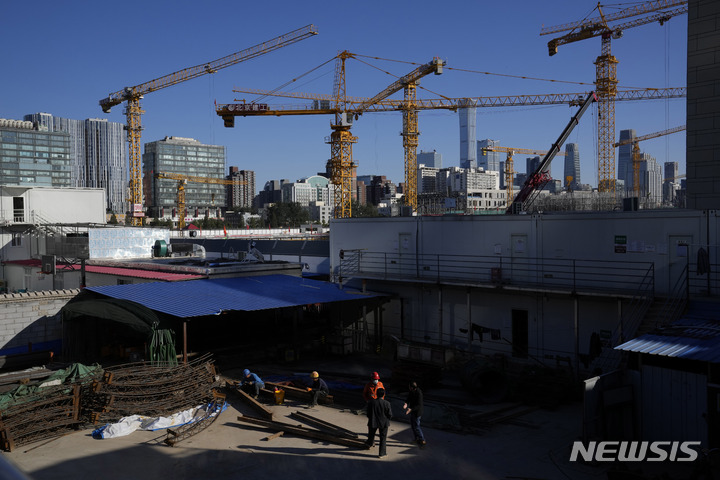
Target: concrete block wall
[31,318]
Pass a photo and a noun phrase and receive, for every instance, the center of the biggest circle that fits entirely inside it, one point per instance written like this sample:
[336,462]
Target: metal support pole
[185,351]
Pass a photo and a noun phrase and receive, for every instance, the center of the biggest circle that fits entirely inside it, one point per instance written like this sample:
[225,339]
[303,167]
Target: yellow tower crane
[323,104]
[341,165]
[132,96]
[606,67]
[182,180]
[509,168]
[636,152]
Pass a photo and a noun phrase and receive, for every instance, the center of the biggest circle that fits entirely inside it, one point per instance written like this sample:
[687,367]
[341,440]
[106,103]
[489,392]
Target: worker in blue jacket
[251,383]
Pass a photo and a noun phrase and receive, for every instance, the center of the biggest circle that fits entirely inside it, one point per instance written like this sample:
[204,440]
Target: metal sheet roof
[196,298]
[689,338]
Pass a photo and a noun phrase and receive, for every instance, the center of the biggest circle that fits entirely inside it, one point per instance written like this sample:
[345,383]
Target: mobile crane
[541,176]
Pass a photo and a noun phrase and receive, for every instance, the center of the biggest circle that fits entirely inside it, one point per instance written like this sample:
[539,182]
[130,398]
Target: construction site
[529,331]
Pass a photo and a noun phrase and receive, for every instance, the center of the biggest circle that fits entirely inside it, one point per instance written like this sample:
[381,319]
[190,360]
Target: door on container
[679,255]
[406,255]
[19,209]
[520,271]
[519,333]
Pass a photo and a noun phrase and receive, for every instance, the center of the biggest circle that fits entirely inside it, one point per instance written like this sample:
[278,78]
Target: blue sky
[63,57]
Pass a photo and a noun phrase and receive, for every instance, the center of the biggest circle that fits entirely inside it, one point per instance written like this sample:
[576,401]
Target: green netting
[162,346]
[70,375]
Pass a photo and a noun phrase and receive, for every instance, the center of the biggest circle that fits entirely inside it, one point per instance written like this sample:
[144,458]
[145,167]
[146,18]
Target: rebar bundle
[152,390]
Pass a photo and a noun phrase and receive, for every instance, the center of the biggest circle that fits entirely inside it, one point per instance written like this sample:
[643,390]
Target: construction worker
[251,383]
[370,390]
[379,413]
[318,389]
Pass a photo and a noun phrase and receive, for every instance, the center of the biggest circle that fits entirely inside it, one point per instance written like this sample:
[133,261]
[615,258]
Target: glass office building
[183,156]
[30,157]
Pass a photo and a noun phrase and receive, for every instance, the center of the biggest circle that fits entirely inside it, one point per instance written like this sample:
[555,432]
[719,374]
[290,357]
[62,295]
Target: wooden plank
[257,406]
[304,432]
[299,393]
[274,435]
[323,425]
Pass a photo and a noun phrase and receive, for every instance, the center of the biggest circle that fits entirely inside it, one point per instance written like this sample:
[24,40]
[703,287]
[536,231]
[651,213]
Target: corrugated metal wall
[673,403]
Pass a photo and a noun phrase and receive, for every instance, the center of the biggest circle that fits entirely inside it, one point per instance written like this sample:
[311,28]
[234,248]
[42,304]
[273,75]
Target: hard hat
[314,375]
[246,372]
[376,376]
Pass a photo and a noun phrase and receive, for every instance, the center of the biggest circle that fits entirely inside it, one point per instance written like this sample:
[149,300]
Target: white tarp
[127,425]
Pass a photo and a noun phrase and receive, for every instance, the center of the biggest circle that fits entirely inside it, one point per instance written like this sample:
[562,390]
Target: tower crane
[509,170]
[132,96]
[606,66]
[341,163]
[636,152]
[324,104]
[183,180]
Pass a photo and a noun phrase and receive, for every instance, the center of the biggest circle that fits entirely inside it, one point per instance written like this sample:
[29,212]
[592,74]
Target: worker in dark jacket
[251,383]
[414,407]
[379,413]
[318,389]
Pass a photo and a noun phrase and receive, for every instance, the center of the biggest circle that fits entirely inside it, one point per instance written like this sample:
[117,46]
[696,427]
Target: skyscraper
[671,171]
[184,156]
[32,157]
[571,172]
[242,193]
[625,163]
[468,139]
[430,159]
[650,179]
[489,161]
[98,154]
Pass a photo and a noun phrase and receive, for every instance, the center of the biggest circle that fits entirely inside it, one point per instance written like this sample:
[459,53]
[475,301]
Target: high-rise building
[650,180]
[571,172]
[242,193]
[98,154]
[183,156]
[489,161]
[31,157]
[671,172]
[271,193]
[532,164]
[468,138]
[427,179]
[308,191]
[430,159]
[625,163]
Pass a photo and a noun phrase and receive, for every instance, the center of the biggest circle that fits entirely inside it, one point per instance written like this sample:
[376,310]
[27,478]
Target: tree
[113,220]
[364,210]
[288,215]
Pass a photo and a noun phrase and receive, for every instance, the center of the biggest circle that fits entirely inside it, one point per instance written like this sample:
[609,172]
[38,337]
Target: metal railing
[567,275]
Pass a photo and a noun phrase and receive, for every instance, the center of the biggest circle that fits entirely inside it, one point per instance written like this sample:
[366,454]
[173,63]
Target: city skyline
[651,56]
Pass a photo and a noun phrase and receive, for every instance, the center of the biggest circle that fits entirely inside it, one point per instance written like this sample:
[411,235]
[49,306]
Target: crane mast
[133,95]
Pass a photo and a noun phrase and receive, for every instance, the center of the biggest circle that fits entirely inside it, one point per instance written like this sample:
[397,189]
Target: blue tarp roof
[696,336]
[195,298]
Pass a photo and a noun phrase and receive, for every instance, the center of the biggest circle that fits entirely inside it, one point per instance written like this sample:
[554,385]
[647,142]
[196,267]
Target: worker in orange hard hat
[318,389]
